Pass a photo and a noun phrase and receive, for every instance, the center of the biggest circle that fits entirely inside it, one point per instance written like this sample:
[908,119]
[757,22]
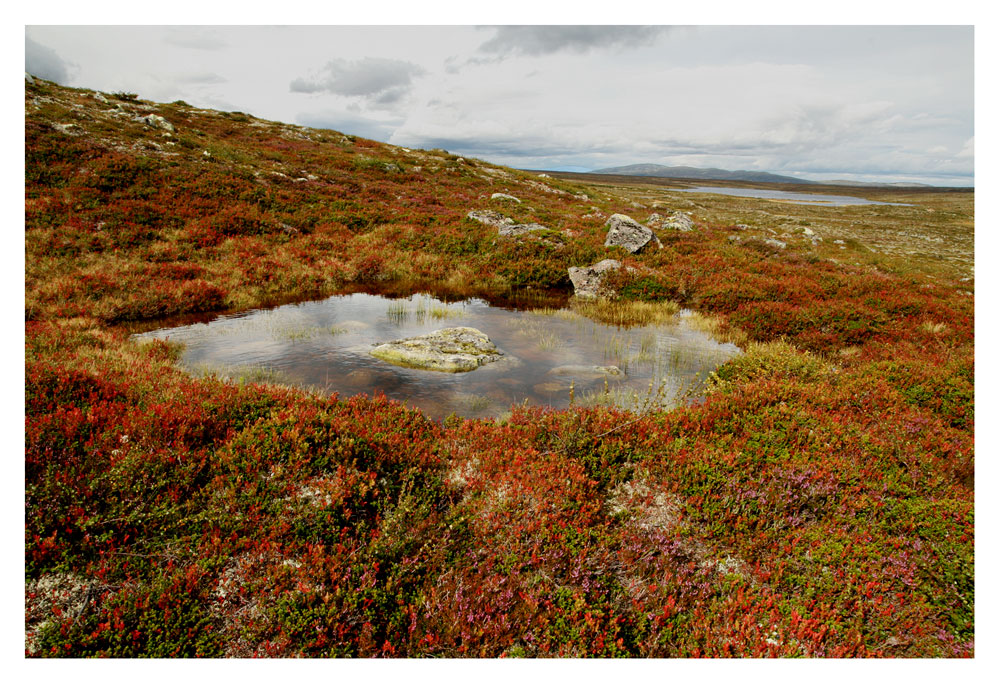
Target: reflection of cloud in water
[324,345]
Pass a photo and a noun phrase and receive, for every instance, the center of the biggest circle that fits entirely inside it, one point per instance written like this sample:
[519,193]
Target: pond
[793,197]
[552,357]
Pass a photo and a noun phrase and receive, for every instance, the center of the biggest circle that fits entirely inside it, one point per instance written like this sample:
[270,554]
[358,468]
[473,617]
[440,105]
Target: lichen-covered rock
[55,596]
[675,221]
[625,231]
[546,188]
[156,121]
[775,243]
[587,280]
[504,197]
[491,218]
[451,350]
[521,229]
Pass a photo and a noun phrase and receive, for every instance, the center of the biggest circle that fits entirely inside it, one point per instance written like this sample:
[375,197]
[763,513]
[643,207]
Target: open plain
[815,499]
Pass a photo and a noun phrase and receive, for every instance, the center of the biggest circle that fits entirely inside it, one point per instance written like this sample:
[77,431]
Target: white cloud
[803,100]
[382,82]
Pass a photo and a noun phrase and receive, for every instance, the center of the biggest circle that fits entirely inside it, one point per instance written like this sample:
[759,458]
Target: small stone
[505,197]
[156,121]
[775,243]
[68,129]
[491,218]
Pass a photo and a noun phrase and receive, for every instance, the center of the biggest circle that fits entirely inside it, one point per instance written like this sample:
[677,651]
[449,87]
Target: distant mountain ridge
[661,171]
[693,172]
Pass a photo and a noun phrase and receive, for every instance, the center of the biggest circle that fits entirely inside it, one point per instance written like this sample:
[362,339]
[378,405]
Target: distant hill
[661,171]
[693,172]
[863,184]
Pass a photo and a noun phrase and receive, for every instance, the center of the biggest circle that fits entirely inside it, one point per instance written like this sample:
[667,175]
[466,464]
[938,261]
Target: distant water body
[793,197]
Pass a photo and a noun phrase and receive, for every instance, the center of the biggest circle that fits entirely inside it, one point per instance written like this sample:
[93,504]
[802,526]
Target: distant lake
[793,197]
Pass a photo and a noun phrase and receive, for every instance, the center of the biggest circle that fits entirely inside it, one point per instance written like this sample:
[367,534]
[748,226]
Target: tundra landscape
[811,496]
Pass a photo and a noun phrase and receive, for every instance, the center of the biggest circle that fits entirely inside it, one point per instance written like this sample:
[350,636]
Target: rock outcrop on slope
[588,280]
[491,218]
[675,221]
[521,229]
[502,196]
[625,231]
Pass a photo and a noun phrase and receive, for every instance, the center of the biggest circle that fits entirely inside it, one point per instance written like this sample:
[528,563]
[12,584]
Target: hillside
[693,172]
[817,500]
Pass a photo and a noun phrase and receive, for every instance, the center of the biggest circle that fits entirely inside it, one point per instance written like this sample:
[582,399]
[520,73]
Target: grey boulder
[588,280]
[625,231]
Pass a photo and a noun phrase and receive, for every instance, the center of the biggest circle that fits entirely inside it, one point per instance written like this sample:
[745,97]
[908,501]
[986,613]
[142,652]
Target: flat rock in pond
[586,372]
[451,350]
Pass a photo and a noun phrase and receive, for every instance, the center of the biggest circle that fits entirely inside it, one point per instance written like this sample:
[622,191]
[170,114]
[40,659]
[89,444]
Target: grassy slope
[818,502]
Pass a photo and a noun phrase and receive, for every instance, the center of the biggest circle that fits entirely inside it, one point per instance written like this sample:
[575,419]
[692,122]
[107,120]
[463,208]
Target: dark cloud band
[382,81]
[547,40]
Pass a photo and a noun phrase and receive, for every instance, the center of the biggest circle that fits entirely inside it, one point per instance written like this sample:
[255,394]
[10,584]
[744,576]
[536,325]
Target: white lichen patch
[62,593]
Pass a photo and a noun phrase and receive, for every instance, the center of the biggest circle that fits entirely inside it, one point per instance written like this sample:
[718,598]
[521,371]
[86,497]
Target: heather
[816,500]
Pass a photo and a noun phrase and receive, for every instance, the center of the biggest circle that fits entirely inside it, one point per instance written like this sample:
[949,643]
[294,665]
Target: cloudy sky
[886,103]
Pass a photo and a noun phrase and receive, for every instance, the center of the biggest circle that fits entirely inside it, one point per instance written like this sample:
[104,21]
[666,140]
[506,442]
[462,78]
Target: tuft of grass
[769,360]
[251,374]
[625,313]
[397,312]
[716,327]
[933,328]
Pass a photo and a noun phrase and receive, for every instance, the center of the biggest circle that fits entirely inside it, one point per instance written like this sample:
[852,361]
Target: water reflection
[550,355]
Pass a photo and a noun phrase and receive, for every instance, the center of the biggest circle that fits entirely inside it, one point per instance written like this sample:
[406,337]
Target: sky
[873,103]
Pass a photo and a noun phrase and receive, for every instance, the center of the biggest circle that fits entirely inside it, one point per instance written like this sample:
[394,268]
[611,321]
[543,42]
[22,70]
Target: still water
[793,197]
[549,354]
